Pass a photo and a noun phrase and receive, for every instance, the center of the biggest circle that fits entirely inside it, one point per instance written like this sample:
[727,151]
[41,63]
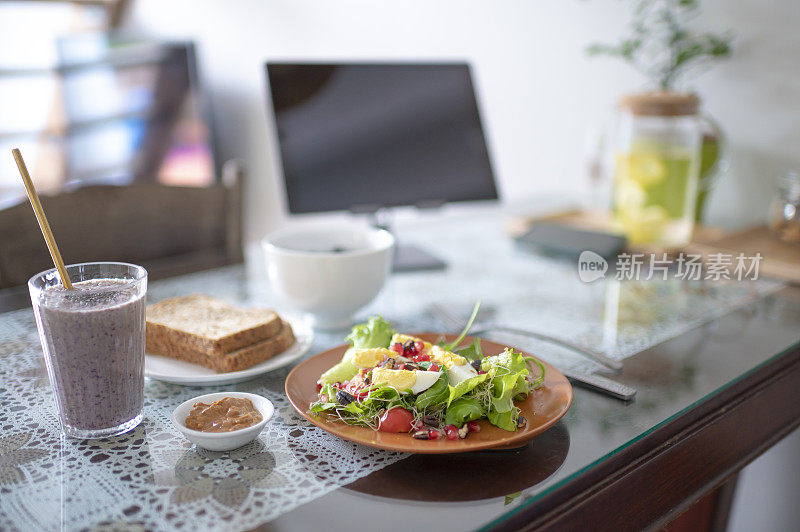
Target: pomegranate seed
[319,387]
[450,427]
[434,434]
[434,367]
[452,434]
[408,349]
[481,372]
[419,346]
[474,427]
[422,358]
[397,347]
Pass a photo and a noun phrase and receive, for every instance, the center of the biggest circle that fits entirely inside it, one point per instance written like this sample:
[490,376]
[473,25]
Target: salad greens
[463,410]
[466,386]
[437,394]
[471,351]
[347,393]
[377,332]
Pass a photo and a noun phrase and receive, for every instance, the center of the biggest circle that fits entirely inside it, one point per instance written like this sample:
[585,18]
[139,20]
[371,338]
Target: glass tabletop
[681,343]
[479,489]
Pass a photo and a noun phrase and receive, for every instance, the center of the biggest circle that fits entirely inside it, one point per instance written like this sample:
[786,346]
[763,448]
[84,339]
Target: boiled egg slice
[403,380]
[369,358]
[458,370]
[458,374]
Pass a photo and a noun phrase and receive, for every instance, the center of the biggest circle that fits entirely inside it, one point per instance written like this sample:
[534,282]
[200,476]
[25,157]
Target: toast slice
[206,325]
[256,353]
[239,359]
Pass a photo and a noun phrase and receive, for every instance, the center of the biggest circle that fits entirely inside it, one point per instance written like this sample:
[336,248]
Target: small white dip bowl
[222,441]
[330,270]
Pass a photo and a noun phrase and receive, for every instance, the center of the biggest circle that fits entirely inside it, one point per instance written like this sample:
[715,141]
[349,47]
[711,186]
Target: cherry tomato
[396,419]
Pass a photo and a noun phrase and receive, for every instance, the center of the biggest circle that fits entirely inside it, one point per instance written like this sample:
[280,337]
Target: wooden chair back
[168,230]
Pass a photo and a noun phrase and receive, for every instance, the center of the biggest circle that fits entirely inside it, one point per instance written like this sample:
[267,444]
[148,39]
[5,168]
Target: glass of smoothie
[93,341]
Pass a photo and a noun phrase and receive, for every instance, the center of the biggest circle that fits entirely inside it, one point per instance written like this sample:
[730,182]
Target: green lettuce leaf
[465,386]
[382,394]
[322,407]
[523,387]
[503,388]
[377,332]
[462,410]
[437,394]
[343,371]
[353,408]
[512,362]
[331,403]
[509,359]
[504,420]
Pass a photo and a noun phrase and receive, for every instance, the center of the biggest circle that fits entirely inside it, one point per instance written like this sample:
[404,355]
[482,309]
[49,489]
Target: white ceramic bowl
[329,271]
[222,441]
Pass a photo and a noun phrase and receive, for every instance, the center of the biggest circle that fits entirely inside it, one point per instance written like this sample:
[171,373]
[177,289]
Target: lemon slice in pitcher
[646,225]
[645,168]
[629,195]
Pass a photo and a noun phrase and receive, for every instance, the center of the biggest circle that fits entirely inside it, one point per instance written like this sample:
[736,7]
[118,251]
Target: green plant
[662,46]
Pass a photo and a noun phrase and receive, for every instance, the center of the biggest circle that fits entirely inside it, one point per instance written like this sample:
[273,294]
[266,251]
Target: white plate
[179,372]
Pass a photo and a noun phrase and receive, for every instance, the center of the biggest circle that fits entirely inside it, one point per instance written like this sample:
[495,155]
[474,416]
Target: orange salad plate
[542,409]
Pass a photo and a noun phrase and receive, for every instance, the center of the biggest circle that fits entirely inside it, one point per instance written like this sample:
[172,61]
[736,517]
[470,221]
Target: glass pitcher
[656,168]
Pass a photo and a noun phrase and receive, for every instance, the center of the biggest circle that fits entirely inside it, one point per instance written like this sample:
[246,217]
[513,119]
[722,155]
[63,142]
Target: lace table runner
[152,478]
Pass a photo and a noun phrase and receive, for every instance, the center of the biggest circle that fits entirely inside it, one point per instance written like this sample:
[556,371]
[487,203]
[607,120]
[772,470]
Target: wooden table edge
[662,474]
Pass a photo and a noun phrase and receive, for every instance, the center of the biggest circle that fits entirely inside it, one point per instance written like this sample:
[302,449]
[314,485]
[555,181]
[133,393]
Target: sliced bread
[256,353]
[239,359]
[206,325]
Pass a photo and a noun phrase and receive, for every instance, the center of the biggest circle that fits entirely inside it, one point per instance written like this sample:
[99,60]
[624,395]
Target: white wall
[538,90]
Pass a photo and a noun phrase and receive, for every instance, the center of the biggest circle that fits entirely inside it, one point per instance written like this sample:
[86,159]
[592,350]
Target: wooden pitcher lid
[661,104]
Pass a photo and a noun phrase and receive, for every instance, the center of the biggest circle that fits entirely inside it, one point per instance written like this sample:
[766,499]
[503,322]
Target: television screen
[362,136]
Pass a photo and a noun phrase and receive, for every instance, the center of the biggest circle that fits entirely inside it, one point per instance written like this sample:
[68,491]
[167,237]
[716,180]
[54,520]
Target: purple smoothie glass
[93,340]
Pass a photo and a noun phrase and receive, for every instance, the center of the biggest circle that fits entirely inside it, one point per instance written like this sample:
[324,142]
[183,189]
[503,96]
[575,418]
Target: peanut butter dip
[225,415]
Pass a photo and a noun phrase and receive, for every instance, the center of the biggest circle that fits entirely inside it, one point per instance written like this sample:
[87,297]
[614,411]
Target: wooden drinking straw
[43,225]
